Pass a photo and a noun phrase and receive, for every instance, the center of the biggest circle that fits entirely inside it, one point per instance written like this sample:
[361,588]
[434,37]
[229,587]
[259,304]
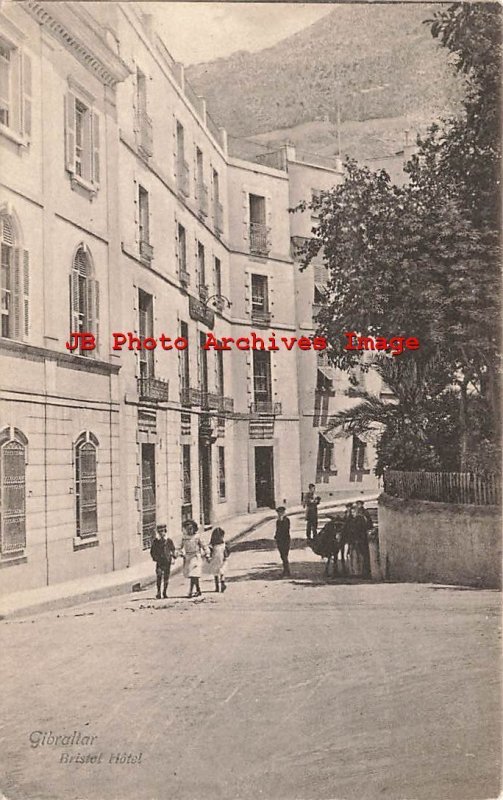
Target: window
[325,458]
[262,376]
[146,328]
[201,268]
[84,296]
[203,363]
[260,304]
[182,168]
[141,93]
[358,460]
[184,366]
[199,169]
[13,446]
[82,138]
[218,277]
[218,213]
[86,490]
[186,479]
[15,92]
[221,473]
[143,215]
[14,282]
[220,373]
[258,230]
[182,250]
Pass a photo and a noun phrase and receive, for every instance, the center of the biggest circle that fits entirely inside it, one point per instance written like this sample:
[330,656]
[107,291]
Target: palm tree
[415,427]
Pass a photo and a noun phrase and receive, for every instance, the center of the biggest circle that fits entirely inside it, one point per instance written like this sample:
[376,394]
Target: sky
[195,32]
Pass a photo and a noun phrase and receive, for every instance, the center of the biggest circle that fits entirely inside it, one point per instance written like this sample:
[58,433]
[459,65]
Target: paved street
[282,689]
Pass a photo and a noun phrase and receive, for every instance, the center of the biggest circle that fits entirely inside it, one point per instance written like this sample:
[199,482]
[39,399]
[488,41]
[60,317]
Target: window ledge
[17,138]
[13,559]
[83,544]
[77,182]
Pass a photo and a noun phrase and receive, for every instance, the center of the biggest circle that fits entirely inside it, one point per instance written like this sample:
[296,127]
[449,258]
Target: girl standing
[218,561]
[192,549]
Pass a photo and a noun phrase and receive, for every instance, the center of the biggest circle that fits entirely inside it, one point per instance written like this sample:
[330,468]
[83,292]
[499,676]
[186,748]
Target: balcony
[268,407]
[154,390]
[145,136]
[146,251]
[190,396]
[259,244]
[204,292]
[261,317]
[183,177]
[202,199]
[210,401]
[184,276]
[226,404]
[218,212]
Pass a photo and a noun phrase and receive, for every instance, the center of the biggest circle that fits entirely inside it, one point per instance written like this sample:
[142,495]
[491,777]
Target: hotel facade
[123,209]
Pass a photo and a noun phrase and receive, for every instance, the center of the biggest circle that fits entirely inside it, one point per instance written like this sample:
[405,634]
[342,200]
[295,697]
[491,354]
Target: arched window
[13,445]
[14,282]
[84,295]
[86,490]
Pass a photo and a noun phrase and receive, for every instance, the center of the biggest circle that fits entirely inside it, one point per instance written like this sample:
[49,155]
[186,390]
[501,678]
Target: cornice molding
[78,34]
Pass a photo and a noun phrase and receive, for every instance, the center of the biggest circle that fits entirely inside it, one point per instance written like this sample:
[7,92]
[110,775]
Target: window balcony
[268,407]
[210,401]
[202,198]
[260,316]
[145,135]
[153,390]
[218,212]
[226,404]
[183,177]
[146,251]
[190,396]
[184,276]
[258,239]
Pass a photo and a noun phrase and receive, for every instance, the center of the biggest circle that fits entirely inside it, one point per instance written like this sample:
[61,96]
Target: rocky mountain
[377,61]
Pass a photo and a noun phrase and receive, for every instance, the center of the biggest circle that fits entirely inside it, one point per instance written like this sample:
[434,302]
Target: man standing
[162,552]
[282,537]
[310,503]
[361,529]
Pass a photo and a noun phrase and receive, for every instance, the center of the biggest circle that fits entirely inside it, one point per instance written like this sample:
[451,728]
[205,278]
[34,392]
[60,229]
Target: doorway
[148,515]
[205,481]
[264,477]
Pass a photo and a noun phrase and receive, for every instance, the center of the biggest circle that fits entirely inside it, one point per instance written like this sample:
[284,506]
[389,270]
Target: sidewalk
[137,577]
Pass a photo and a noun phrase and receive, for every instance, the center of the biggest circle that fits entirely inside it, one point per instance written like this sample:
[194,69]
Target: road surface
[293,689]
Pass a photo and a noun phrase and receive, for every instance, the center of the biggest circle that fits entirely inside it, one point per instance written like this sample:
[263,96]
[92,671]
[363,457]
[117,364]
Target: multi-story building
[121,210]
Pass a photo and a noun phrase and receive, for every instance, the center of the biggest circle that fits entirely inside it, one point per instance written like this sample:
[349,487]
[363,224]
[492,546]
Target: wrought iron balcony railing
[226,404]
[183,177]
[260,316]
[190,396]
[145,135]
[202,198]
[153,389]
[184,276]
[269,407]
[258,238]
[146,250]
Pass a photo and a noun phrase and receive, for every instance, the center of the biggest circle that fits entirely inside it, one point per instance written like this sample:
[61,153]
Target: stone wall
[440,542]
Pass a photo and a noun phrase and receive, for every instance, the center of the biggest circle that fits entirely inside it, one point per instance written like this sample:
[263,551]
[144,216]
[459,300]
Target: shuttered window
[14,283]
[86,494]
[15,89]
[221,473]
[82,140]
[84,296]
[12,492]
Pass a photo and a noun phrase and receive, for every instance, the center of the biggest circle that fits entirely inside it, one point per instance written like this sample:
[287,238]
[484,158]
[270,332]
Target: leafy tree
[424,259]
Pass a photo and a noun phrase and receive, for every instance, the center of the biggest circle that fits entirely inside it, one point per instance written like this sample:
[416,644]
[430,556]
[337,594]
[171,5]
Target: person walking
[163,553]
[218,560]
[282,537]
[192,550]
[310,503]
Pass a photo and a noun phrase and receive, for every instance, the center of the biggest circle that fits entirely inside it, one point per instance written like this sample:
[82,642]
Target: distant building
[121,210]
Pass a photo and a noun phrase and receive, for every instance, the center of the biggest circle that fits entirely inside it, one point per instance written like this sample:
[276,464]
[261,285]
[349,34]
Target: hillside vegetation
[380,61]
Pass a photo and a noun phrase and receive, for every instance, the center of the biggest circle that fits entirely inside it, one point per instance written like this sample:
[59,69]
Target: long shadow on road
[265,544]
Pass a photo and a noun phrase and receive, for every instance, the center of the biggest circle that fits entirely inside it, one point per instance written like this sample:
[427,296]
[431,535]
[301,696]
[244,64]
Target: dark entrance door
[264,477]
[205,481]
[147,494]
